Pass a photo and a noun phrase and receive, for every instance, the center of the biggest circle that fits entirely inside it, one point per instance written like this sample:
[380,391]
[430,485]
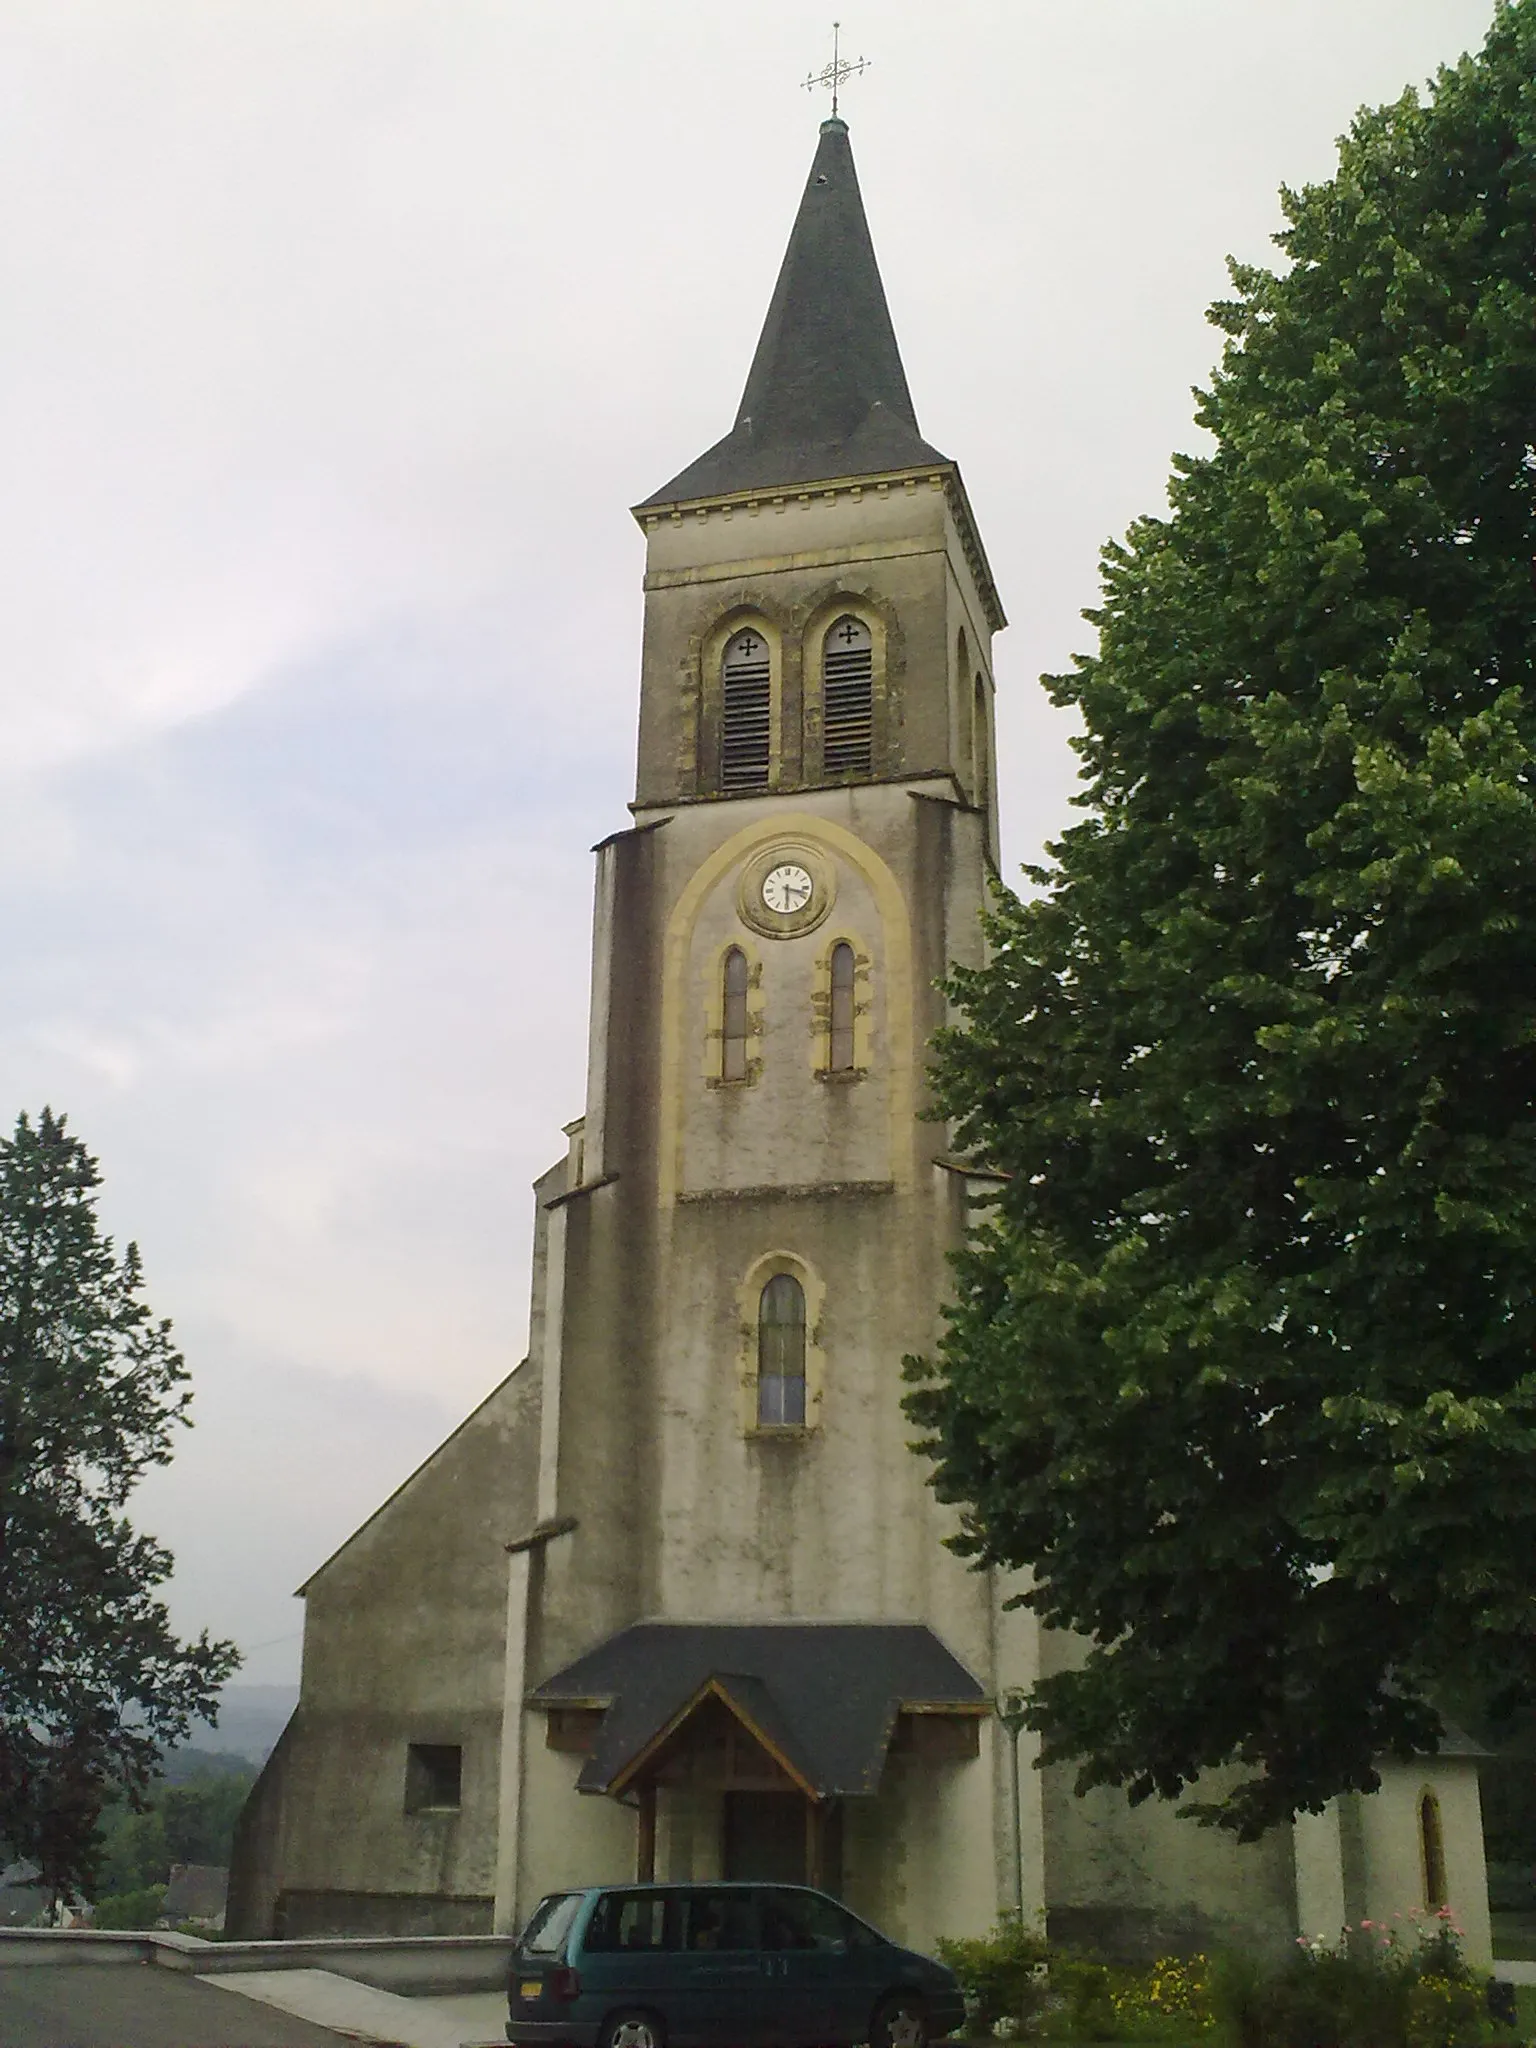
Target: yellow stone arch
[896,933]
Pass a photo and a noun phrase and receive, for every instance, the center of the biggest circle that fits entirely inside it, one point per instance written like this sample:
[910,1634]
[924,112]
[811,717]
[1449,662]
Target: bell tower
[823,493]
[754,1231]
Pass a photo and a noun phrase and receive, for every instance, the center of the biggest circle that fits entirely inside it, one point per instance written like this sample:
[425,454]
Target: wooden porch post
[645,1834]
[814,1836]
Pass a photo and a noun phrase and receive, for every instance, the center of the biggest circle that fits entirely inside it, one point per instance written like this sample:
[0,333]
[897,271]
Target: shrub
[1403,1986]
[1445,2013]
[130,1909]
[1316,1998]
[1001,1973]
[1171,2001]
[1082,2000]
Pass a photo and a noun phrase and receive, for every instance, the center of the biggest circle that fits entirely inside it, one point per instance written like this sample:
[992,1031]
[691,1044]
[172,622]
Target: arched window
[981,755]
[1432,1843]
[746,694]
[781,1352]
[848,699]
[964,707]
[840,1034]
[733,1017]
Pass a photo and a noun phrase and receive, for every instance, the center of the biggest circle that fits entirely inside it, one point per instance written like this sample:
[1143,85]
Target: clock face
[786,889]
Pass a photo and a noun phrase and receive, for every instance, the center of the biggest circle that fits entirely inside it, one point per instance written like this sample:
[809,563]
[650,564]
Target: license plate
[531,1987]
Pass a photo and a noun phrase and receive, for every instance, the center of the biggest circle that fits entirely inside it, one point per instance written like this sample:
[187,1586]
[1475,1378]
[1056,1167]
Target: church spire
[826,395]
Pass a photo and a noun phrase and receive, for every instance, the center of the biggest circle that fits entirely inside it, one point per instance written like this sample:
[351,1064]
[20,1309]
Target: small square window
[432,1774]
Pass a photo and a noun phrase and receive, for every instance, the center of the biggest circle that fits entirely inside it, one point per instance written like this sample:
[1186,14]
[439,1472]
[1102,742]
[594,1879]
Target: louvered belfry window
[746,688]
[848,699]
[781,1352]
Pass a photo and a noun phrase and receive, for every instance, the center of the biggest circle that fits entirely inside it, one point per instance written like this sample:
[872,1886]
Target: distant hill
[251,1718]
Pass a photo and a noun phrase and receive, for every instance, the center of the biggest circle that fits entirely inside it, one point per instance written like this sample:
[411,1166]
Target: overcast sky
[340,335]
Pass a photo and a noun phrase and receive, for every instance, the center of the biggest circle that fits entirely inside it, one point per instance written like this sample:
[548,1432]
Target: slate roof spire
[826,395]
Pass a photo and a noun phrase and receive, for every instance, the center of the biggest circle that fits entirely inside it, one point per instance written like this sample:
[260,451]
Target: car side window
[636,1922]
[723,1920]
[806,1920]
[784,1925]
[853,1932]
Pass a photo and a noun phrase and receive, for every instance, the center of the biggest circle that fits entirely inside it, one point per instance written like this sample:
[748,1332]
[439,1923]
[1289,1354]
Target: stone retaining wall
[413,1965]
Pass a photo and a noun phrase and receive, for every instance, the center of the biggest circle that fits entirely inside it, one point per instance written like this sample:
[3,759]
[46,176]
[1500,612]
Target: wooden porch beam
[645,1834]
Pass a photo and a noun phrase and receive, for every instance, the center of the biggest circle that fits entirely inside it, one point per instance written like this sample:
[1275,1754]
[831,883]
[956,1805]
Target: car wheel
[633,2029]
[899,2022]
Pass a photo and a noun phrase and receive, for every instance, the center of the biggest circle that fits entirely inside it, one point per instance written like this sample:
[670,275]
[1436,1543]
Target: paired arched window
[747,721]
[746,711]
[848,698]
[733,1016]
[781,1353]
[840,1012]
[840,1015]
[1432,1846]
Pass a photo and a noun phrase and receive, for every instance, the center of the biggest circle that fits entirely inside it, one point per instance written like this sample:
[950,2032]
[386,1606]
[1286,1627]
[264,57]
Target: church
[675,1601]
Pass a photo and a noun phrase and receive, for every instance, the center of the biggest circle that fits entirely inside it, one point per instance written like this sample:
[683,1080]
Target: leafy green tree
[200,1815]
[93,1684]
[1240,1366]
[192,1821]
[134,1852]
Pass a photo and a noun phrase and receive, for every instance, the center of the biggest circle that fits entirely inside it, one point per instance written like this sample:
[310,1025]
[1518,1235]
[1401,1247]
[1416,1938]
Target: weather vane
[833,75]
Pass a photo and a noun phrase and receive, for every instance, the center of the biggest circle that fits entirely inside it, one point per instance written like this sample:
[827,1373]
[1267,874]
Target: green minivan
[719,1966]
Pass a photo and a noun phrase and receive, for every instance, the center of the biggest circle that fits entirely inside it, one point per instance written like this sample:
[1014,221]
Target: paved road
[137,2005]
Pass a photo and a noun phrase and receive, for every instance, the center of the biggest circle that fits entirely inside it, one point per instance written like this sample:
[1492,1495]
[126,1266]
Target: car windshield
[546,1932]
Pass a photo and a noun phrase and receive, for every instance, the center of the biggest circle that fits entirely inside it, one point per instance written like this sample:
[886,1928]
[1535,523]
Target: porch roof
[826,1694]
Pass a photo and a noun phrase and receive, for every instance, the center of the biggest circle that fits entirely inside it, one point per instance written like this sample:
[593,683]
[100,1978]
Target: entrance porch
[748,1751]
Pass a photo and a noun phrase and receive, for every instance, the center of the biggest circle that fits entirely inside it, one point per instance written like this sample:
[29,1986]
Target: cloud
[339,336]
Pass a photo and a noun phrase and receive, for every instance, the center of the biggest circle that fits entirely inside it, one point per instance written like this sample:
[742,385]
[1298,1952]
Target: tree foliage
[191,1821]
[93,1684]
[1241,1363]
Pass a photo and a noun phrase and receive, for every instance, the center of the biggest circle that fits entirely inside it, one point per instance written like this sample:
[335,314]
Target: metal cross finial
[834,74]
